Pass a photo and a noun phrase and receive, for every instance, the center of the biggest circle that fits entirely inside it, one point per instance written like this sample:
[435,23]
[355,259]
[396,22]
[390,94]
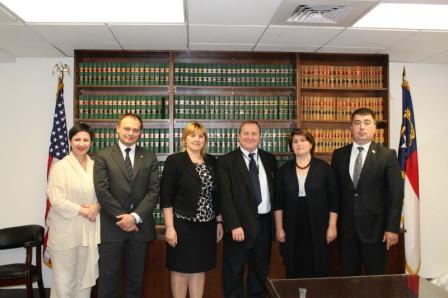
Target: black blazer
[375,205]
[236,195]
[116,193]
[322,198]
[181,185]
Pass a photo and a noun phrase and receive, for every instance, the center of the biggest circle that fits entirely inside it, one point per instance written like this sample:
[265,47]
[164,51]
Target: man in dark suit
[127,185]
[246,193]
[371,191]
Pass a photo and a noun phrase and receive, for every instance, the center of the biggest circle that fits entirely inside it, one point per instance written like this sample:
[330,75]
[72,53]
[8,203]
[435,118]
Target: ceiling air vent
[324,14]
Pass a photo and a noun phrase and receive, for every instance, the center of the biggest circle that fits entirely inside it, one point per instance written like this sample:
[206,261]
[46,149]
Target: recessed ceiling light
[406,16]
[98,11]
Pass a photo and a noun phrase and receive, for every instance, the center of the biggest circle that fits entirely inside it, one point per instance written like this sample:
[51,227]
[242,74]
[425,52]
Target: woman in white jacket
[73,220]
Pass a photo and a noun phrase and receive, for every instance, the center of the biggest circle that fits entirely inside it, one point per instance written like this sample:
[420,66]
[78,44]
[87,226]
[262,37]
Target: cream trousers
[68,268]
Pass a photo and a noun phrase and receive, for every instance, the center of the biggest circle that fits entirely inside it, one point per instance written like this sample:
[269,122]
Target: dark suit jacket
[375,205]
[116,193]
[322,198]
[181,185]
[236,195]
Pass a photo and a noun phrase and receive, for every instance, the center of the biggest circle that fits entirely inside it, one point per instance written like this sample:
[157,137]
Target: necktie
[358,166]
[253,172]
[127,162]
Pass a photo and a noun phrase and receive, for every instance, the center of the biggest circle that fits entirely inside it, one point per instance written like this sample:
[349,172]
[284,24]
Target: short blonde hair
[194,127]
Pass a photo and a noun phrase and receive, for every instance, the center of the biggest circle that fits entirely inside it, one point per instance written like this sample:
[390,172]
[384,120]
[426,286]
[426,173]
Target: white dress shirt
[123,148]
[354,154]
[265,205]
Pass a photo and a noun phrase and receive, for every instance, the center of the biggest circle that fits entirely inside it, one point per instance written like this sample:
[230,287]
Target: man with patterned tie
[246,192]
[127,185]
[371,190]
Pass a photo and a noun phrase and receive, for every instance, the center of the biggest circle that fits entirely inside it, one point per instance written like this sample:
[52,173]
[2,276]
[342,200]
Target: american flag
[59,148]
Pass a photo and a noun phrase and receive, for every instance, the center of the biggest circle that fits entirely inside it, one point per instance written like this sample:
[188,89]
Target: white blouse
[301,179]
[70,187]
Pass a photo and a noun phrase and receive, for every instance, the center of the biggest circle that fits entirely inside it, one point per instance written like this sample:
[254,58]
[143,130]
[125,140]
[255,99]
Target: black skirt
[196,247]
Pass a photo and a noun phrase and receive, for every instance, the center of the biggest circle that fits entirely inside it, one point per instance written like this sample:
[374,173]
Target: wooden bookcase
[331,86]
[281,91]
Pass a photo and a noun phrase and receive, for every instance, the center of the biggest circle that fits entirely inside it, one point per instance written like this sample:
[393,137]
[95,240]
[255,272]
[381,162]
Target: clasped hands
[127,223]
[90,211]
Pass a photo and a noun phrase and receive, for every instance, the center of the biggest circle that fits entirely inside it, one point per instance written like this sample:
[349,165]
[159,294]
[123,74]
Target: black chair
[23,273]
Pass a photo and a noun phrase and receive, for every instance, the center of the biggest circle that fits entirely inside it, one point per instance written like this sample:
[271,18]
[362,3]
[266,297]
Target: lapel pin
[373,151]
[141,156]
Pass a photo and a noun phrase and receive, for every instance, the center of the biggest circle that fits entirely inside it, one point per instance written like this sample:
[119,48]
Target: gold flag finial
[404,83]
[60,69]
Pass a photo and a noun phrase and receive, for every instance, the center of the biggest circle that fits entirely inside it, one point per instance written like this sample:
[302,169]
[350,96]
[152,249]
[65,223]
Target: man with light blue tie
[246,191]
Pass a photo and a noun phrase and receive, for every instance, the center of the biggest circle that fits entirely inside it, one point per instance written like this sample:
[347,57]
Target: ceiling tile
[73,34]
[224,34]
[151,37]
[299,36]
[373,38]
[220,47]
[6,57]
[285,48]
[349,50]
[32,50]
[231,12]
[418,47]
[17,33]
[6,17]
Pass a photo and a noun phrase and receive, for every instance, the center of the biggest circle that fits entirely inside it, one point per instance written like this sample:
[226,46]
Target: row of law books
[112,106]
[241,75]
[338,108]
[153,139]
[328,140]
[234,107]
[122,73]
[334,76]
[224,140]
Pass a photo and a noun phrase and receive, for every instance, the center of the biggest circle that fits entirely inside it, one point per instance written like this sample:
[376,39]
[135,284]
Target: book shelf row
[333,76]
[153,139]
[242,75]
[328,140]
[122,73]
[223,140]
[110,107]
[235,107]
[338,108]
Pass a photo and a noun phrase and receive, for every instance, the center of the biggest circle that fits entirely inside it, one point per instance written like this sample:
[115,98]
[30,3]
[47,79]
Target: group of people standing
[241,198]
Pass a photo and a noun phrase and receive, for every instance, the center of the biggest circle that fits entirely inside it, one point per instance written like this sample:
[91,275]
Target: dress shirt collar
[123,147]
[246,153]
[365,146]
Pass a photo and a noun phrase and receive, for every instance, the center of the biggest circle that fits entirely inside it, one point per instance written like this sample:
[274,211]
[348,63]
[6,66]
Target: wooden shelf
[348,122]
[107,87]
[251,88]
[342,89]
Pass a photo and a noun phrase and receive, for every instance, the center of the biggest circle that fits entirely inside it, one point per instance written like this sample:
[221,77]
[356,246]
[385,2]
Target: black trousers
[355,254]
[257,258]
[111,255]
